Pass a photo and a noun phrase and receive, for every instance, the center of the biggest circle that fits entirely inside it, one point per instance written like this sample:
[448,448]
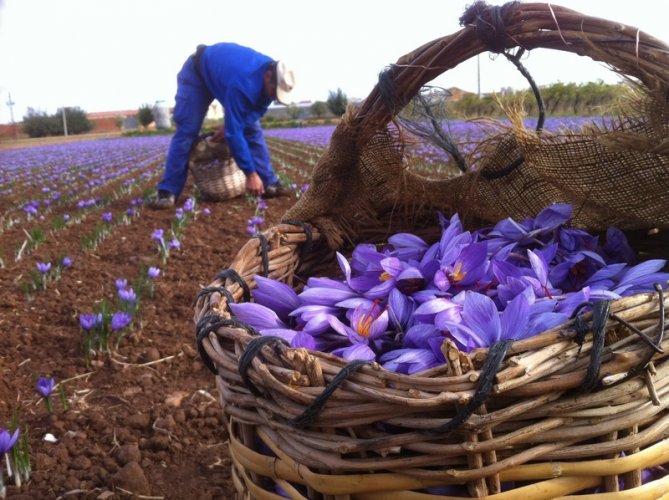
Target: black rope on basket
[312,411]
[493,362]
[515,59]
[263,253]
[307,246]
[234,275]
[657,345]
[252,350]
[386,88]
[601,310]
[489,22]
[220,289]
[506,170]
[210,324]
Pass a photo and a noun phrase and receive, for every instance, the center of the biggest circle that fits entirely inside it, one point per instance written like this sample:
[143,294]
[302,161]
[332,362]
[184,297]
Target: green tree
[318,109]
[37,123]
[145,115]
[293,112]
[77,121]
[337,102]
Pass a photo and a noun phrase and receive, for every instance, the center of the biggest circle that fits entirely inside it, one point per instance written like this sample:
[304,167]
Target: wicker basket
[555,420]
[215,172]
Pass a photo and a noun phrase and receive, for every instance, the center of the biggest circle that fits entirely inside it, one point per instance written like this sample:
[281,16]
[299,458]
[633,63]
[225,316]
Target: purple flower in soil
[121,284]
[251,229]
[66,217]
[368,322]
[130,212]
[157,235]
[256,220]
[7,441]
[179,214]
[87,321]
[128,296]
[67,262]
[44,267]
[175,244]
[45,386]
[120,320]
[304,188]
[107,216]
[153,272]
[189,205]
[206,211]
[262,204]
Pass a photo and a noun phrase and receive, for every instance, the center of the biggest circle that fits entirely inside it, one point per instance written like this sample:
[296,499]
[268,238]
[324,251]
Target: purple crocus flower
[66,217]
[189,205]
[45,386]
[7,441]
[368,323]
[44,267]
[275,295]
[127,295]
[175,244]
[153,272]
[121,283]
[262,204]
[87,321]
[107,217]
[642,277]
[67,262]
[120,320]
[157,235]
[206,211]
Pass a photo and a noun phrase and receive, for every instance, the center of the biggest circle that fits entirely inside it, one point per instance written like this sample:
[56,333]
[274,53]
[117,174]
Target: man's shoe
[276,189]
[162,199]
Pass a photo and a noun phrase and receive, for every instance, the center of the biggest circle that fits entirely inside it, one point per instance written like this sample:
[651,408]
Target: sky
[114,55]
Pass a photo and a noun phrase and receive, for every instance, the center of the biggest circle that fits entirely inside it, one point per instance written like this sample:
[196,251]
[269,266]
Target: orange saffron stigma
[385,276]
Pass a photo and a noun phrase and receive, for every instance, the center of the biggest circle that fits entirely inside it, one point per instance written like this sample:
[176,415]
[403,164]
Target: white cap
[285,81]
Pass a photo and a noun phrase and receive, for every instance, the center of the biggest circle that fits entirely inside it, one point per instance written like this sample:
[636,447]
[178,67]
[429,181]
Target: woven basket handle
[499,28]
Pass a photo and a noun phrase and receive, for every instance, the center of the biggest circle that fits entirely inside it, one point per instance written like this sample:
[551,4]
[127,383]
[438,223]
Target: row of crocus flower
[465,133]
[397,304]
[105,324]
[67,170]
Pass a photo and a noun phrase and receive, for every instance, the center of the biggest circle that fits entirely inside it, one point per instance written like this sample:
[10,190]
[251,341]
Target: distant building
[109,121]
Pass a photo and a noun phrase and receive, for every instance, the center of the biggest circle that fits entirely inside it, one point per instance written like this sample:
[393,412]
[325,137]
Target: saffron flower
[89,321]
[206,211]
[67,262]
[120,320]
[175,244]
[121,283]
[153,272]
[44,388]
[107,216]
[44,267]
[128,296]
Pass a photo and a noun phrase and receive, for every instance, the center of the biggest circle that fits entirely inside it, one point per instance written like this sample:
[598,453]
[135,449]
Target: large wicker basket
[559,417]
[215,172]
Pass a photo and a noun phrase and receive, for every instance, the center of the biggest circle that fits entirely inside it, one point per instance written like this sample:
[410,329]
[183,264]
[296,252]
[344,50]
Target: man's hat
[285,81]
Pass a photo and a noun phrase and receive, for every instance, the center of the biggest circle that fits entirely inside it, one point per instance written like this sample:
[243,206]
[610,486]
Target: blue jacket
[234,75]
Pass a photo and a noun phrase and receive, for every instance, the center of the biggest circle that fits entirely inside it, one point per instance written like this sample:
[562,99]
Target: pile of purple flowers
[397,304]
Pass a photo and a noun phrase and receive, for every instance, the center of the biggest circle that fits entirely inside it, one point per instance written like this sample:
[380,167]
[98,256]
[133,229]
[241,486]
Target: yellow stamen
[458,274]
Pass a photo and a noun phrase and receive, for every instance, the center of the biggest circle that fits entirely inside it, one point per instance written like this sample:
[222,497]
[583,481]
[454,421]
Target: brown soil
[144,419]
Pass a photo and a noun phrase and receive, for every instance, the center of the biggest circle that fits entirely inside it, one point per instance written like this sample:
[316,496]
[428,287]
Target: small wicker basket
[568,411]
[215,172]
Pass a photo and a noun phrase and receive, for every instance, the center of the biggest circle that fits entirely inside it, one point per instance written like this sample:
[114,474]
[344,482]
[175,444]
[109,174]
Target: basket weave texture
[215,172]
[555,421]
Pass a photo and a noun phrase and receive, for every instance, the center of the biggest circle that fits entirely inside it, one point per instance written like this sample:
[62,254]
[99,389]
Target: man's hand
[254,184]
[219,135]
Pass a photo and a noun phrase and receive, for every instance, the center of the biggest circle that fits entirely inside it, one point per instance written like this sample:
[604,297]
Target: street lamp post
[64,120]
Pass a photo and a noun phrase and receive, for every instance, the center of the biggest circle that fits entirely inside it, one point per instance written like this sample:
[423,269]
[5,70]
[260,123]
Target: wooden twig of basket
[215,172]
[577,408]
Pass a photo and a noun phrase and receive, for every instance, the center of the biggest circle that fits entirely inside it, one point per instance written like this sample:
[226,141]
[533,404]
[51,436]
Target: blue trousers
[192,102]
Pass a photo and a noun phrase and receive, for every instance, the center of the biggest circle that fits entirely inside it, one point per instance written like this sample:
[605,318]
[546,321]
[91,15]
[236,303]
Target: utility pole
[478,74]
[64,120]
[10,105]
